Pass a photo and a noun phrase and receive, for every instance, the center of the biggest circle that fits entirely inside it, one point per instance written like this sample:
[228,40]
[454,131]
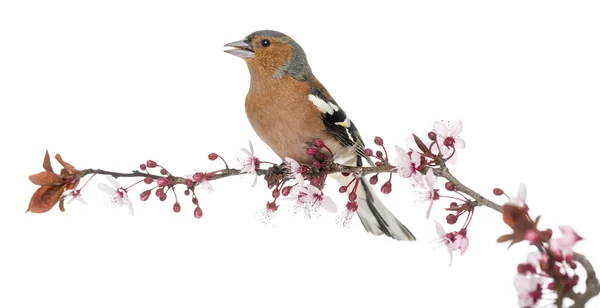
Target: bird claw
[274,176]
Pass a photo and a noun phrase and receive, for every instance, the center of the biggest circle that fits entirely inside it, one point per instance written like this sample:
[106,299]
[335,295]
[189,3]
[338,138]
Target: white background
[111,84]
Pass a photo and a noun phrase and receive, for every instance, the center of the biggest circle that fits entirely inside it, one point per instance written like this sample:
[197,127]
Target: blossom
[293,169]
[449,137]
[267,214]
[431,194]
[519,200]
[73,194]
[201,178]
[452,240]
[345,217]
[310,199]
[406,166]
[249,162]
[118,194]
[529,289]
[566,242]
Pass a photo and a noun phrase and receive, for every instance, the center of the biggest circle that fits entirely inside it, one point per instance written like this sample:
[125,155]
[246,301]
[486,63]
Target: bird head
[272,53]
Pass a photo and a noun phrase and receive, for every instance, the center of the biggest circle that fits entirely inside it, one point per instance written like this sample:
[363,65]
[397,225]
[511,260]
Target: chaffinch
[288,108]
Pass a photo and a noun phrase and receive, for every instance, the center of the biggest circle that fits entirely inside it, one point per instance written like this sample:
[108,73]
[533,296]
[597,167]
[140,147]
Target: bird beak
[241,49]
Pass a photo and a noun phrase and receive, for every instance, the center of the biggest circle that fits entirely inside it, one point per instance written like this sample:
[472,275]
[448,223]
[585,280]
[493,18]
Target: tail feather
[373,214]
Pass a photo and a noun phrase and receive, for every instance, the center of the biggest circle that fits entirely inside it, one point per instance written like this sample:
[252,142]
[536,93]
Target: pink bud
[378,141]
[275,193]
[318,143]
[321,156]
[451,219]
[547,234]
[352,196]
[198,177]
[386,188]
[315,181]
[163,182]
[286,191]
[432,136]
[551,286]
[151,164]
[379,154]
[377,163]
[345,173]
[162,197]
[213,156]
[352,206]
[368,152]
[198,212]
[532,236]
[311,151]
[374,179]
[316,164]
[163,171]
[176,207]
[453,204]
[450,186]
[304,170]
[343,189]
[186,192]
[142,167]
[498,192]
[148,180]
[189,183]
[159,192]
[195,201]
[145,195]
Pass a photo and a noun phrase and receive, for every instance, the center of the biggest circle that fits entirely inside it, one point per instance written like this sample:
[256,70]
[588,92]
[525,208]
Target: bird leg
[274,176]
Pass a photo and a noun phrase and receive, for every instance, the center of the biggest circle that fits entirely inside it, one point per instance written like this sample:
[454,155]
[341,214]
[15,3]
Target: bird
[288,108]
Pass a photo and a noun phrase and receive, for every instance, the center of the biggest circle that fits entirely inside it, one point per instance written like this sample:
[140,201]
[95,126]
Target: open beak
[240,49]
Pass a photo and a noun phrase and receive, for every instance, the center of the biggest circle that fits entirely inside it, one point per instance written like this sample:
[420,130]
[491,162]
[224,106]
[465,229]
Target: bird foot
[274,176]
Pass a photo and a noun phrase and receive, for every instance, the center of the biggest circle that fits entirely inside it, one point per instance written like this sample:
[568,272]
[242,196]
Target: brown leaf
[66,165]
[46,178]
[44,198]
[47,165]
[421,144]
[504,238]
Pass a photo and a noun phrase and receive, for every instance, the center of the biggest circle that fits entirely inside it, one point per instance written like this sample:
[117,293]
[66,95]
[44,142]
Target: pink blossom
[310,199]
[452,240]
[267,214]
[520,199]
[565,243]
[529,289]
[431,194]
[448,139]
[345,217]
[249,162]
[202,179]
[73,194]
[293,169]
[406,166]
[118,194]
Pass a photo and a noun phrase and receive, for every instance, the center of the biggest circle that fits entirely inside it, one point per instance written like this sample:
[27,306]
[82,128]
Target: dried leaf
[420,144]
[47,165]
[45,198]
[66,165]
[46,178]
[504,238]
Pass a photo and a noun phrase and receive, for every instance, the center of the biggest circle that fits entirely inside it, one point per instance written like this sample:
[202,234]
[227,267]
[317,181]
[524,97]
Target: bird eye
[265,43]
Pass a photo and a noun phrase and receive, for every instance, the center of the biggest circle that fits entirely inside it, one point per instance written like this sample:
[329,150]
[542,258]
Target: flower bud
[374,179]
[189,183]
[275,193]
[151,164]
[213,156]
[368,152]
[198,212]
[451,219]
[162,197]
[159,192]
[145,195]
[321,156]
[318,143]
[432,136]
[163,171]
[378,141]
[450,186]
[352,196]
[386,188]
[195,201]
[163,182]
[198,177]
[498,192]
[148,180]
[186,192]
[142,167]
[286,191]
[343,189]
[176,207]
[315,181]
[311,151]
[379,154]
[316,164]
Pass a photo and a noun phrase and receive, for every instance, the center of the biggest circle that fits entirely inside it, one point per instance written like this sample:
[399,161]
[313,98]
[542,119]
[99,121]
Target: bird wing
[337,122]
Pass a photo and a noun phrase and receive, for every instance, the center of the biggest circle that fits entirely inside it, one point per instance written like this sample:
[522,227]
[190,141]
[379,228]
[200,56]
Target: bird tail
[373,214]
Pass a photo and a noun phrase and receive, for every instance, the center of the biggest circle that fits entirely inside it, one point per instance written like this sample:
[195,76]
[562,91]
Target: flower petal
[522,194]
[430,178]
[455,128]
[107,189]
[459,143]
[113,182]
[329,205]
[439,229]
[441,129]
[255,180]
[251,148]
[429,209]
